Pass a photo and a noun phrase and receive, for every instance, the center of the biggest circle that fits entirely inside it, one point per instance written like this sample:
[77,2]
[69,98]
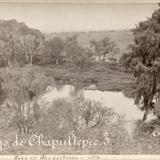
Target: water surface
[115,100]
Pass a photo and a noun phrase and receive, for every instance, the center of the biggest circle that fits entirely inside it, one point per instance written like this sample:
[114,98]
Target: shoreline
[106,78]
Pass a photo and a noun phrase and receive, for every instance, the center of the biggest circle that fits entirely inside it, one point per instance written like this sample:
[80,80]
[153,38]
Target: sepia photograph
[79,79]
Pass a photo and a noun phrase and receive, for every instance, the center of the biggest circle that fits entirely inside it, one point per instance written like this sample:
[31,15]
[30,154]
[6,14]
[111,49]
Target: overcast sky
[77,17]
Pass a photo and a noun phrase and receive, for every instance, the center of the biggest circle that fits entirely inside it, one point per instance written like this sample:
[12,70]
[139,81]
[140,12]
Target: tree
[55,47]
[96,45]
[31,45]
[144,60]
[104,47]
[11,49]
[22,88]
[72,48]
[79,55]
[85,57]
[11,52]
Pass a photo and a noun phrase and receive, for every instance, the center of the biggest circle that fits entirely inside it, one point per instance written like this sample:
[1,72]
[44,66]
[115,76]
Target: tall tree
[55,47]
[144,60]
[72,48]
[31,45]
[79,55]
[12,51]
[11,33]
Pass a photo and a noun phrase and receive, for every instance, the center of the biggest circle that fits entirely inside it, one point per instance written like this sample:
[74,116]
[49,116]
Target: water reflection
[116,100]
[53,93]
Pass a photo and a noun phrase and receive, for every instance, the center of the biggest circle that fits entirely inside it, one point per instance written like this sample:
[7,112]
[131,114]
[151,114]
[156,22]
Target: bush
[85,119]
[22,88]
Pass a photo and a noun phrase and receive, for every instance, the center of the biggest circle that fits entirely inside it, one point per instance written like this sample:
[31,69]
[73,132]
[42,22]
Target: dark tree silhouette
[144,60]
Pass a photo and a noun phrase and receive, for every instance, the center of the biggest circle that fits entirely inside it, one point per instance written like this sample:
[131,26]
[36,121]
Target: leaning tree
[144,60]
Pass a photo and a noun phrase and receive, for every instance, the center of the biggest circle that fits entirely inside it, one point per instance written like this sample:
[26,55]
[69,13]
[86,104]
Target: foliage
[144,60]
[76,53]
[87,121]
[54,48]
[104,47]
[18,43]
[11,53]
[72,48]
[22,88]
[31,45]
[84,57]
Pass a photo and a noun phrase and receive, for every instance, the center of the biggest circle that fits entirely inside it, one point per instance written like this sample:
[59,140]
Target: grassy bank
[107,78]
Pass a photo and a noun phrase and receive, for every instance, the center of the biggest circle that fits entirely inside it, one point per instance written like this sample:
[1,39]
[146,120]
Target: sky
[77,17]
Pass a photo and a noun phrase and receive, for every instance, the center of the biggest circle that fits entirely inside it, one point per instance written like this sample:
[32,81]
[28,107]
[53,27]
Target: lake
[115,100]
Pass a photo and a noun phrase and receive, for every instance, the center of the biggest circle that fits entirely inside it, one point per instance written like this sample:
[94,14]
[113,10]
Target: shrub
[85,119]
[22,87]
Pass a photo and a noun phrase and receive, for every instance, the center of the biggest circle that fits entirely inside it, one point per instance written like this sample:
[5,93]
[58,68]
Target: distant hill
[122,38]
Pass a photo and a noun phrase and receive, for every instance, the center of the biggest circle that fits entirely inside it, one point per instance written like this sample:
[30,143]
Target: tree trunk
[57,61]
[31,60]
[145,115]
[99,58]
[104,57]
